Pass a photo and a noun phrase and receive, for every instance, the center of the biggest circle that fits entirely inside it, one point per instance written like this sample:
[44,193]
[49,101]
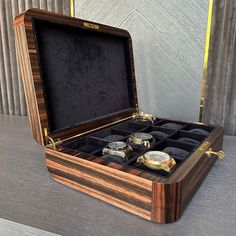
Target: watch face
[117,145]
[157,156]
[142,136]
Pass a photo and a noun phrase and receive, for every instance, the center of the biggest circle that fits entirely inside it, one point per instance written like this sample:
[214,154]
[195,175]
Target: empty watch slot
[199,129]
[111,135]
[174,125]
[188,137]
[159,132]
[175,149]
[131,126]
[86,145]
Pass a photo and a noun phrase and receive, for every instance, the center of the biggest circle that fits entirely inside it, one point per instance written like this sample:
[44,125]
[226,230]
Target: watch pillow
[172,126]
[113,158]
[189,141]
[199,131]
[113,137]
[158,134]
[176,152]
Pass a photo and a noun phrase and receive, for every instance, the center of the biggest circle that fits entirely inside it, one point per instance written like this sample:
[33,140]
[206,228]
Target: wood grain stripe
[98,194]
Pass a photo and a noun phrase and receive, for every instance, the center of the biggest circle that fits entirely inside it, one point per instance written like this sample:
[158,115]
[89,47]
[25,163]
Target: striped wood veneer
[147,195]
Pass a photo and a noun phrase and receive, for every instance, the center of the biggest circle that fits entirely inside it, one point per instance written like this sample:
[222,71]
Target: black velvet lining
[86,73]
[179,144]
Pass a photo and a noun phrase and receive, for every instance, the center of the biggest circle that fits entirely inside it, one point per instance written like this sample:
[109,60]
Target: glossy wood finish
[147,195]
[33,82]
[152,197]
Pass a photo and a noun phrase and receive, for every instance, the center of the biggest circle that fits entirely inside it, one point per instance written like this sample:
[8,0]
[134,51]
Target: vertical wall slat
[12,57]
[49,5]
[17,7]
[6,57]
[43,4]
[35,3]
[66,7]
[3,94]
[59,6]
[21,4]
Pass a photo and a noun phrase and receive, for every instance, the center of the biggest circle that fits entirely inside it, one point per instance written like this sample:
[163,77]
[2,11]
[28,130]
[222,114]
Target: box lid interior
[87,74]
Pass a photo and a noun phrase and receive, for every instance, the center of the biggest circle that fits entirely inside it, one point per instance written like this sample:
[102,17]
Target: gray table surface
[29,196]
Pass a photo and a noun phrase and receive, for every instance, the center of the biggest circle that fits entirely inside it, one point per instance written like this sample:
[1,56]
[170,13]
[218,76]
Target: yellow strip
[72,8]
[207,46]
[208,33]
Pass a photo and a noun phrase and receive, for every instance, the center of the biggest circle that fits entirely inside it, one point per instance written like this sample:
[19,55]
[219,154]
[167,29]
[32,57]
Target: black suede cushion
[176,152]
[143,122]
[113,137]
[199,131]
[189,141]
[113,158]
[86,73]
[88,148]
[172,126]
[158,134]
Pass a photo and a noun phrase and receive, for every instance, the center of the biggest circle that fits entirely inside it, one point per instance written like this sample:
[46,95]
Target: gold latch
[219,154]
[49,141]
[140,115]
[204,146]
[210,152]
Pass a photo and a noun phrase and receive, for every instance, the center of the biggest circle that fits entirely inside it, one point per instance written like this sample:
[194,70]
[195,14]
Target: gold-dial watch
[118,148]
[142,139]
[157,160]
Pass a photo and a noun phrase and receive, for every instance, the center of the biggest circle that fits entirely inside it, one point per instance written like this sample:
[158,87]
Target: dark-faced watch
[157,160]
[118,148]
[142,139]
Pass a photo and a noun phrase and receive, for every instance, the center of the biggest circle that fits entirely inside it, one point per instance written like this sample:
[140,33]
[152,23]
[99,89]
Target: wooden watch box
[79,83]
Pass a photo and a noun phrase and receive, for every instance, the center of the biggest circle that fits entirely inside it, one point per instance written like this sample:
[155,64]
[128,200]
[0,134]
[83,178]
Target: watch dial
[116,145]
[157,156]
[143,136]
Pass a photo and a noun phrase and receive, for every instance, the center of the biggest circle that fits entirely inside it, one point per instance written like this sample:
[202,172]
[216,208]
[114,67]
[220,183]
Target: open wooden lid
[77,75]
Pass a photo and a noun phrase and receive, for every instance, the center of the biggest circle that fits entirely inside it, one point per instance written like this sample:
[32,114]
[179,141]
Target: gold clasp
[50,143]
[140,115]
[219,154]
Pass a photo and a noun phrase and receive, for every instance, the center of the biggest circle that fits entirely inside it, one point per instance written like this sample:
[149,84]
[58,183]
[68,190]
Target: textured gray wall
[220,99]
[169,44]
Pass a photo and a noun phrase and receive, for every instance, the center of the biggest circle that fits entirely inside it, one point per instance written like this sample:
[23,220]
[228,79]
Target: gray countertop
[30,197]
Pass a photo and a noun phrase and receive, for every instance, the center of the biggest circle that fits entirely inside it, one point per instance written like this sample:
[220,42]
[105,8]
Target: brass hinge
[140,115]
[49,141]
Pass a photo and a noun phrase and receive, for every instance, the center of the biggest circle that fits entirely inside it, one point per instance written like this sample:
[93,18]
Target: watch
[142,139]
[157,160]
[140,115]
[118,148]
